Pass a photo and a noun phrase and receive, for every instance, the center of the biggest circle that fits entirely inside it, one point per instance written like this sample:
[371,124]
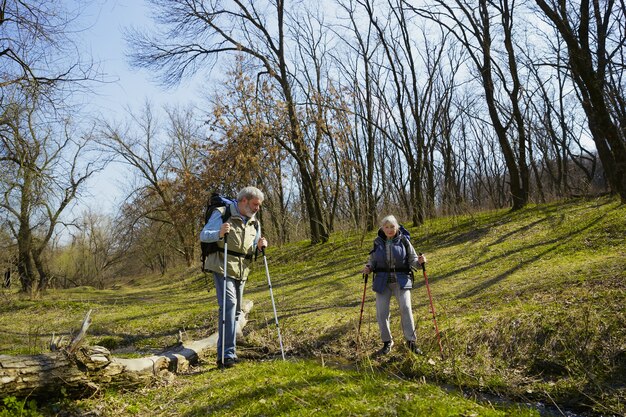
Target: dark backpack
[405,233]
[406,241]
[215,201]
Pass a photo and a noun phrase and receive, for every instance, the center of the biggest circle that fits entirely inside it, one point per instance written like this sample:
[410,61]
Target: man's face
[250,207]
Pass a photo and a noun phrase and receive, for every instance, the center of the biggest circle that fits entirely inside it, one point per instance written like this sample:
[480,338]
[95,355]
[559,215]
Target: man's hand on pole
[224,230]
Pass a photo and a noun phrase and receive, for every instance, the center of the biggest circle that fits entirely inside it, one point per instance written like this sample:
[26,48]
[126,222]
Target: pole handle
[424,264]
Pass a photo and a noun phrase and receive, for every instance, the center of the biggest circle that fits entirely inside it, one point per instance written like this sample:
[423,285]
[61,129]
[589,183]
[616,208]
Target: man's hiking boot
[228,363]
[413,347]
[386,348]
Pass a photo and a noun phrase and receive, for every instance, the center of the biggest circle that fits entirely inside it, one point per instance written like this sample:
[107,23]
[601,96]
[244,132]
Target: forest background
[340,111]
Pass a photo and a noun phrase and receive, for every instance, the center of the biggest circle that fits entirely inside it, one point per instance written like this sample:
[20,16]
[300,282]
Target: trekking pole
[432,308]
[269,283]
[224,299]
[358,338]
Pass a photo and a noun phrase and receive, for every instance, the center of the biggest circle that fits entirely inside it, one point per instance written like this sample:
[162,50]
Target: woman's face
[390,230]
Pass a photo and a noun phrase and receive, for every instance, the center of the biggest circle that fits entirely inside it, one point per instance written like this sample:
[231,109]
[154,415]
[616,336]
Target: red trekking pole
[432,308]
[361,318]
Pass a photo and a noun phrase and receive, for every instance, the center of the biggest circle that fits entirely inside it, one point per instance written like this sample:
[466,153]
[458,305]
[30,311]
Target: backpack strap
[225,218]
[237,254]
[406,269]
[407,249]
[226,214]
[406,244]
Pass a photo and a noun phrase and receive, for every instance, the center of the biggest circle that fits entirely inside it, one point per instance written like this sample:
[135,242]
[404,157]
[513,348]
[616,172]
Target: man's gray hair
[250,193]
[390,219]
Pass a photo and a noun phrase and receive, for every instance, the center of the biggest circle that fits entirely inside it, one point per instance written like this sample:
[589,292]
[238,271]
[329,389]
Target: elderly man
[243,232]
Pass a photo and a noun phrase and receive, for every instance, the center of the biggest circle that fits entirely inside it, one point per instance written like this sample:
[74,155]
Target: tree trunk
[81,371]
[589,73]
[518,195]
[24,245]
[43,275]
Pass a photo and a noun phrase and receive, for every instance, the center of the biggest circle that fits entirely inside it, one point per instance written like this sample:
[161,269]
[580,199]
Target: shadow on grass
[286,313]
[465,231]
[556,242]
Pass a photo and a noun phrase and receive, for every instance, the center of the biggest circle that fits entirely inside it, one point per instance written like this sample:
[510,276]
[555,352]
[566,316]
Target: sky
[101,26]
[104,22]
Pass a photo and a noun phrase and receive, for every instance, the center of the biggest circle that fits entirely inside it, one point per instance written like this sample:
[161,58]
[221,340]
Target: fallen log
[78,371]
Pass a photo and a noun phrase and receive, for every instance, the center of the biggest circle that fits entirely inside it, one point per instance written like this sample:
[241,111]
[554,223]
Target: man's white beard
[247,212]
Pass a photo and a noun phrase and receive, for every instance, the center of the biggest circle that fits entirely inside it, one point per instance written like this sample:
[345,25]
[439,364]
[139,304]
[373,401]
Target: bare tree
[185,132]
[473,27]
[45,174]
[324,124]
[196,33]
[95,248]
[556,121]
[162,163]
[35,49]
[444,121]
[246,124]
[358,72]
[595,38]
[404,104]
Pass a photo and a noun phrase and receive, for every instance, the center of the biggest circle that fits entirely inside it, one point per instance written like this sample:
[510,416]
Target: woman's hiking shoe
[386,348]
[413,347]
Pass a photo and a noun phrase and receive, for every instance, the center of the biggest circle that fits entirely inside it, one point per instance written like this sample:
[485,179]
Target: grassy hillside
[530,307]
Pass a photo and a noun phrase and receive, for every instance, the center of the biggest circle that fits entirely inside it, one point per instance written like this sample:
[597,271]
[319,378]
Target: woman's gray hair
[390,219]
[250,193]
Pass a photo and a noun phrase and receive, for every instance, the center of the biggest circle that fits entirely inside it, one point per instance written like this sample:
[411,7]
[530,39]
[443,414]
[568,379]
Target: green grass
[298,388]
[530,306]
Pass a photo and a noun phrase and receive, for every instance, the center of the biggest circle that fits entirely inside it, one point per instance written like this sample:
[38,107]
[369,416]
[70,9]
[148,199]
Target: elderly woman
[392,261]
